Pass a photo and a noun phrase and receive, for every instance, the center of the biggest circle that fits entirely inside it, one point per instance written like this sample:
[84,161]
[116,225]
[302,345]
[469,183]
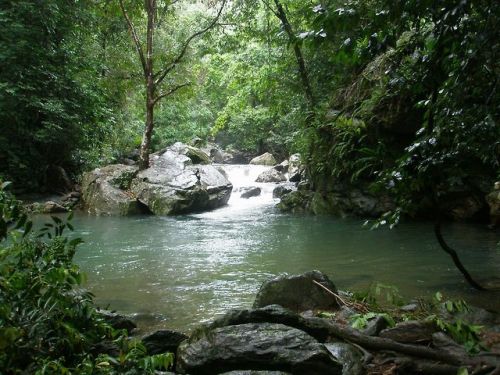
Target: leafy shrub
[48,323]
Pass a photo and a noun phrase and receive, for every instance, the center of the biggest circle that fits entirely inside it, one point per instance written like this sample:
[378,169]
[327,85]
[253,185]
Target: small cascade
[243,177]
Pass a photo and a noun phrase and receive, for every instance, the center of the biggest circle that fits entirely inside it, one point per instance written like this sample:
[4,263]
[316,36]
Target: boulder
[264,159]
[104,191]
[298,292]
[282,167]
[255,347]
[251,192]
[171,185]
[295,202]
[411,332]
[117,321]
[271,175]
[283,189]
[295,168]
[196,155]
[163,341]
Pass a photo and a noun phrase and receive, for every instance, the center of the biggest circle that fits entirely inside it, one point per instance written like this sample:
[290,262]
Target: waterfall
[242,177]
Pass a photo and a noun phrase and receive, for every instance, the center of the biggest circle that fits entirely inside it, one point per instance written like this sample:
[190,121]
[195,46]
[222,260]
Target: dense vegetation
[48,323]
[388,95]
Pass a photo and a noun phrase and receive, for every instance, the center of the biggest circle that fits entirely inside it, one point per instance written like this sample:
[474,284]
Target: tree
[153,79]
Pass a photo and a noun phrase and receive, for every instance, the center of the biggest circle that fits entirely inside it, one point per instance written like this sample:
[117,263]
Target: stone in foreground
[298,292]
[271,175]
[163,341]
[264,346]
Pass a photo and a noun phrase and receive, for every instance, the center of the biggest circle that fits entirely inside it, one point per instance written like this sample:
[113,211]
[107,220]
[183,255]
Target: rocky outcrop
[171,185]
[411,332]
[298,292]
[264,159]
[255,346]
[270,176]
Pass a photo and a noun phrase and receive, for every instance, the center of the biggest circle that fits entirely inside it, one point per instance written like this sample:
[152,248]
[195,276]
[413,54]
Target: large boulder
[105,191]
[171,185]
[271,175]
[255,346]
[298,292]
[163,341]
[264,159]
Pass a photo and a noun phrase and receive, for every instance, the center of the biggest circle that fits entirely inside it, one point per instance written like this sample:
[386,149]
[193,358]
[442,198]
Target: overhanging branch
[170,92]
[137,43]
[173,64]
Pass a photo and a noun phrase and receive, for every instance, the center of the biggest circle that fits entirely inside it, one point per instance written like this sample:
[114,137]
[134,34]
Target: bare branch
[170,92]
[186,44]
[137,43]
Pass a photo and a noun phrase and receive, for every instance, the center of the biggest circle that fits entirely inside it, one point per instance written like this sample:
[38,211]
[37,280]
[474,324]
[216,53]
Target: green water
[177,272]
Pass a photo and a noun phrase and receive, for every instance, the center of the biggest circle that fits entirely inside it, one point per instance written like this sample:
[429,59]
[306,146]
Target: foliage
[48,323]
[52,111]
[380,294]
[360,321]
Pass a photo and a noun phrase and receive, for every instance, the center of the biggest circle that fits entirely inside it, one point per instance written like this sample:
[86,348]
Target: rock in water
[163,341]
[264,346]
[171,185]
[251,192]
[104,191]
[264,159]
[298,292]
[271,175]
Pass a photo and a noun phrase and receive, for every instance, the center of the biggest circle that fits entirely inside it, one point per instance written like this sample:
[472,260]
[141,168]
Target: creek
[180,271]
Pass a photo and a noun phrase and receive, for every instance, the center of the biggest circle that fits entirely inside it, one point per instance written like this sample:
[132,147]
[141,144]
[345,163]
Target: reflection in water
[187,269]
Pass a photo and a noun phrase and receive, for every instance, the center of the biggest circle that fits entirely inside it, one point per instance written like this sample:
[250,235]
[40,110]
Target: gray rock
[271,175]
[255,347]
[251,192]
[117,321]
[295,168]
[298,292]
[411,332]
[295,202]
[264,159]
[103,194]
[282,167]
[350,357]
[283,189]
[196,155]
[163,341]
[171,185]
[375,325]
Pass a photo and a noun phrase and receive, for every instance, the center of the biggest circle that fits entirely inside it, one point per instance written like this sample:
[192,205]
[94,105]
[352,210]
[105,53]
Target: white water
[244,176]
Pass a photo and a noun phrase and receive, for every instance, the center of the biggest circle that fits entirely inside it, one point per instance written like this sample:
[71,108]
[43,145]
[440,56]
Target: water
[178,271]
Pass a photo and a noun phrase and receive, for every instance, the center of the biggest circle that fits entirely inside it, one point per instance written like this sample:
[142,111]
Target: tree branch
[135,38]
[186,44]
[170,92]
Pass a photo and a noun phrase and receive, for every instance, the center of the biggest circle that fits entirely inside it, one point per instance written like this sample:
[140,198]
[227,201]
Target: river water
[178,271]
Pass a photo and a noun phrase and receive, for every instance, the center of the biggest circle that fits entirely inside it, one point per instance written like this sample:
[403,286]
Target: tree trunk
[304,77]
[150,88]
